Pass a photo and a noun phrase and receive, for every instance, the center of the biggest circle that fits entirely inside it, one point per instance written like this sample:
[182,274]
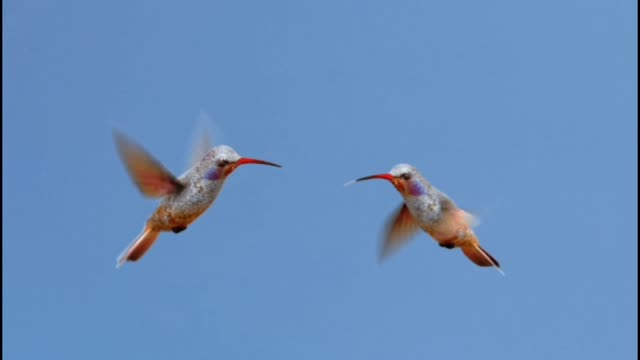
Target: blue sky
[523,111]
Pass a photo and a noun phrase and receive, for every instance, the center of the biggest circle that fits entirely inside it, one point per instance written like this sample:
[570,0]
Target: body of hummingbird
[427,208]
[185,198]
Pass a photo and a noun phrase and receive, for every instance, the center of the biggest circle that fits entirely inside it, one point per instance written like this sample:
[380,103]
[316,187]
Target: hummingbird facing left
[185,198]
[427,208]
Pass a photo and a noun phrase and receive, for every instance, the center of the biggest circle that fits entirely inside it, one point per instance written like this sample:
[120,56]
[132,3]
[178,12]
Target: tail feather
[480,256]
[138,247]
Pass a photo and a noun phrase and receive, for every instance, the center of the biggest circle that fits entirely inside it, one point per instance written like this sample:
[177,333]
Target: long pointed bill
[388,177]
[244,161]
[399,185]
[380,176]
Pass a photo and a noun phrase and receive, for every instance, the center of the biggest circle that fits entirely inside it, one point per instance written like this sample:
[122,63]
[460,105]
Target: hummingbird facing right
[185,198]
[431,210]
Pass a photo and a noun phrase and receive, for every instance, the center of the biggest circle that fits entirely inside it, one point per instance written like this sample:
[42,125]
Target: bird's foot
[447,245]
[178,229]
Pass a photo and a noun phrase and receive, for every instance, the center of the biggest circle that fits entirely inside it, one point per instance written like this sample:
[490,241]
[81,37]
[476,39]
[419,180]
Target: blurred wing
[401,227]
[147,173]
[200,147]
[449,207]
[471,218]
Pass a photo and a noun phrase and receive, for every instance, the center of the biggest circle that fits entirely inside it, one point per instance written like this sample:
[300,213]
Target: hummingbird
[185,198]
[427,208]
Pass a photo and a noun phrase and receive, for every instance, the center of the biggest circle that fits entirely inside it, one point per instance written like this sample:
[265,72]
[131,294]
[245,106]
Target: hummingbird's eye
[223,163]
[406,176]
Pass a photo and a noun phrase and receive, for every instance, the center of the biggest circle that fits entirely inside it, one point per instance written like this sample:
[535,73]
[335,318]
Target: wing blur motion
[147,173]
[401,227]
[201,147]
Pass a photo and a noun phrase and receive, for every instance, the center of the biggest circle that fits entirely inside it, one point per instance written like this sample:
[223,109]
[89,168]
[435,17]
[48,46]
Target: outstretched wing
[147,173]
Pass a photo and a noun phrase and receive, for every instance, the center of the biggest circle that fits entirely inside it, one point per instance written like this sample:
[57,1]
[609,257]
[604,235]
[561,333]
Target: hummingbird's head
[223,160]
[405,178]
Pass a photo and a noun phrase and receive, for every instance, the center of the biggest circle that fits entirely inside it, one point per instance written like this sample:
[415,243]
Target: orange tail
[480,256]
[139,246]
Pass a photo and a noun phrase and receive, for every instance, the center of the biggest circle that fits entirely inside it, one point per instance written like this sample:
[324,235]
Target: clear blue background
[523,111]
